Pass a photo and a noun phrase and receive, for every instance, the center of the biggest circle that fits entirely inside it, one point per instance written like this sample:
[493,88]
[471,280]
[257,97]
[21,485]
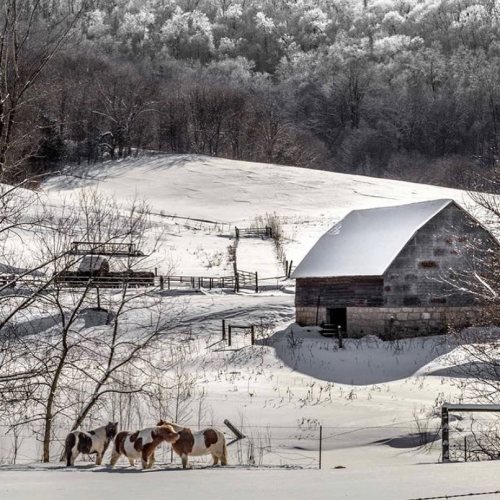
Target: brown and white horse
[95,441]
[205,442]
[142,444]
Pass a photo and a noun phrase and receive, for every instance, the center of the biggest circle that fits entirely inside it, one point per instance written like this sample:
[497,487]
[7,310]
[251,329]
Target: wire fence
[473,448]
[303,446]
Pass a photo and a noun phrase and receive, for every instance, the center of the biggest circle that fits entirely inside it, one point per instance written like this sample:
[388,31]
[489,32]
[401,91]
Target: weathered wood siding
[362,291]
[418,276]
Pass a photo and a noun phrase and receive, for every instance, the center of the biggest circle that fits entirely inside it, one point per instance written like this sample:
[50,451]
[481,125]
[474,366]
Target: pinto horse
[206,442]
[96,441]
[142,444]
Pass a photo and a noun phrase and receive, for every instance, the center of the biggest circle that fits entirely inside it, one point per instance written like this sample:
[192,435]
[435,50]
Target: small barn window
[428,264]
[411,300]
[438,300]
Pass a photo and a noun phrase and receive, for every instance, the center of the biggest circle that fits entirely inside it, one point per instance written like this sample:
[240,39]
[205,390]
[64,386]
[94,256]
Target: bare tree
[68,340]
[31,33]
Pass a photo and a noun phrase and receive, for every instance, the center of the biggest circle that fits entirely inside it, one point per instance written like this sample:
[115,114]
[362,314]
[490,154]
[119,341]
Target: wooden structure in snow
[386,271]
[94,268]
[114,249]
[446,409]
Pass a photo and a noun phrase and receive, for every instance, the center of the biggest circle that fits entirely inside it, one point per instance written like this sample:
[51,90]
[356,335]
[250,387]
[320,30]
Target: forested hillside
[406,89]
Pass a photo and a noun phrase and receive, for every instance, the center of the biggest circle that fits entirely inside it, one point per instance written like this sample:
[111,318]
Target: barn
[392,271]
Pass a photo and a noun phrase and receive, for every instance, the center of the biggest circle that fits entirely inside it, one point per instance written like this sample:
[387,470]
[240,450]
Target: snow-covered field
[374,483]
[376,402]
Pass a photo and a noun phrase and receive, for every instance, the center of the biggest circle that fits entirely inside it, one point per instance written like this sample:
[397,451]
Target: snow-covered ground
[401,482]
[376,402]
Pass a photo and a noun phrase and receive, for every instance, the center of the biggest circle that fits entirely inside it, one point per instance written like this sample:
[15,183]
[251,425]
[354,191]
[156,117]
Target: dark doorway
[337,316]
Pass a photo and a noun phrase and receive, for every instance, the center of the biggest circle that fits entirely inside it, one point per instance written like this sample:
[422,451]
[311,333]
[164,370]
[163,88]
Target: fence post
[320,444]
[161,282]
[168,282]
[445,434]
[289,268]
[236,278]
[465,448]
[256,282]
[229,335]
[317,309]
[237,231]
[339,336]
[252,334]
[223,329]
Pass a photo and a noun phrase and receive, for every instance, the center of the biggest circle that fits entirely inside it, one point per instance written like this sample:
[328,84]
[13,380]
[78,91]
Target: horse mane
[165,431]
[173,425]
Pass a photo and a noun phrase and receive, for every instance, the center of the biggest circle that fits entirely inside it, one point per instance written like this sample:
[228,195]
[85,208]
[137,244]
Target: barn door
[338,316]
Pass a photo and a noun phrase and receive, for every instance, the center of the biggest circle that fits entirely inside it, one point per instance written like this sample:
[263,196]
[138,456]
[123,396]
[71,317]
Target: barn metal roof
[365,242]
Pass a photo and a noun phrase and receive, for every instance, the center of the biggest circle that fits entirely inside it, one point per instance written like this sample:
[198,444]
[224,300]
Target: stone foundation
[394,322]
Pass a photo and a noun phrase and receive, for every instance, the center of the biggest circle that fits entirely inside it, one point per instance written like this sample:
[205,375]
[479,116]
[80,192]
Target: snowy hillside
[208,196]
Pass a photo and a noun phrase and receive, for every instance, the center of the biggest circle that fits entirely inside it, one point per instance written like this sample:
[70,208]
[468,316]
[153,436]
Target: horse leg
[216,459]
[114,457]
[223,457]
[69,457]
[74,456]
[131,461]
[145,460]
[184,459]
[98,458]
[151,460]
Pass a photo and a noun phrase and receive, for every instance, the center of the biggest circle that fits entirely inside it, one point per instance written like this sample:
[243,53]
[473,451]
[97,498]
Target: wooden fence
[196,282]
[245,279]
[105,281]
[240,280]
[253,232]
[113,249]
[227,332]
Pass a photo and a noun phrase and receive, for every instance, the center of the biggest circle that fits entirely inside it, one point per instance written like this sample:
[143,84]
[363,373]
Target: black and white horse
[96,441]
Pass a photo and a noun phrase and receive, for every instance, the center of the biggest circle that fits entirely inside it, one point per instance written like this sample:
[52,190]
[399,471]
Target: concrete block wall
[395,322]
[420,274]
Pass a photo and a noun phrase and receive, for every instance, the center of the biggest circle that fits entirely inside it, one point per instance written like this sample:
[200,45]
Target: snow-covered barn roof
[365,242]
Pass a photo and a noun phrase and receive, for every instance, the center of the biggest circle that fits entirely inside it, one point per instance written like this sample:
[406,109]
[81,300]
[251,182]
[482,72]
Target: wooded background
[404,89]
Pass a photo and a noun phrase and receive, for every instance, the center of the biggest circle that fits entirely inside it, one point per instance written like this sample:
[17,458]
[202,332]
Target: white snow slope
[194,189]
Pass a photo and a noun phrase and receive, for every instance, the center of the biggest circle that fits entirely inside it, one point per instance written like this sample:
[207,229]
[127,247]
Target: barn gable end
[418,275]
